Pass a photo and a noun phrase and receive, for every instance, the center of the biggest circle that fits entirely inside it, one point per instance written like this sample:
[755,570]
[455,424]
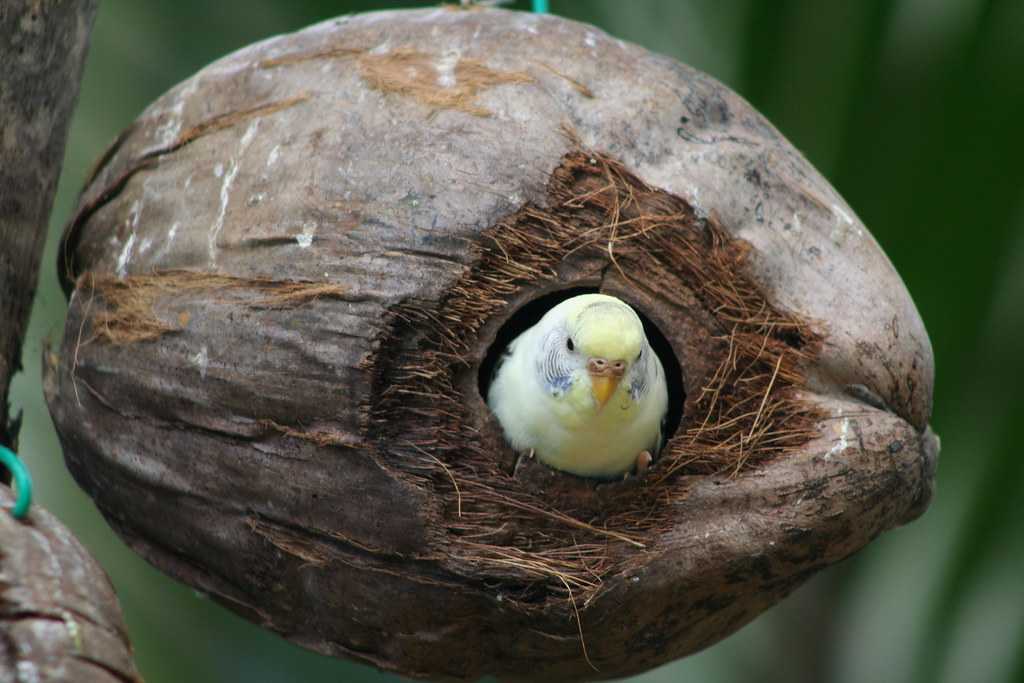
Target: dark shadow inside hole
[531,313]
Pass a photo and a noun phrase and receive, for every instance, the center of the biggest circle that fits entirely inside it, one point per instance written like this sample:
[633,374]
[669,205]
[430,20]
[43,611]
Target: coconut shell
[59,617]
[288,282]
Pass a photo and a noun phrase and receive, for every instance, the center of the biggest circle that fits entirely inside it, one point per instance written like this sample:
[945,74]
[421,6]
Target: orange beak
[602,387]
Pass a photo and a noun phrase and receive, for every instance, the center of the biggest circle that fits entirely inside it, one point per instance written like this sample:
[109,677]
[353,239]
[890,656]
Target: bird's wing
[512,397]
[659,392]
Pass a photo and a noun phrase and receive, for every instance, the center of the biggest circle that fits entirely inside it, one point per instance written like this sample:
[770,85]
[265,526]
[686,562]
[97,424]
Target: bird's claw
[526,455]
[643,461]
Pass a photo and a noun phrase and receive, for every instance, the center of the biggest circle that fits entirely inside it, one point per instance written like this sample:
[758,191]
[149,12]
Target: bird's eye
[639,355]
[569,345]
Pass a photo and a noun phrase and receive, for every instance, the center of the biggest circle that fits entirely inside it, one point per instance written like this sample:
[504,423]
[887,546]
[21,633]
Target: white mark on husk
[167,132]
[446,69]
[162,251]
[225,196]
[201,360]
[838,211]
[225,188]
[250,133]
[843,442]
[135,211]
[126,254]
[305,238]
[27,672]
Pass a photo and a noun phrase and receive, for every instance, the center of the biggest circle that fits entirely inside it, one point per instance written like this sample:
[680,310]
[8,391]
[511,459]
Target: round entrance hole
[530,313]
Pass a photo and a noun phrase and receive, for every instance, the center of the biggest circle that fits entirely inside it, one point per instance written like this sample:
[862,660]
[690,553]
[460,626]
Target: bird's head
[594,341]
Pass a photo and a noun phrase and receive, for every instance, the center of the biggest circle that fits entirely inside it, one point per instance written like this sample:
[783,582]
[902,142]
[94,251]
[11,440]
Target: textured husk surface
[284,279]
[59,617]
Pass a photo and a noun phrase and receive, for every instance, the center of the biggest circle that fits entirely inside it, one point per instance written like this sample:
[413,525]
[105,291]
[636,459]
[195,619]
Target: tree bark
[59,617]
[42,50]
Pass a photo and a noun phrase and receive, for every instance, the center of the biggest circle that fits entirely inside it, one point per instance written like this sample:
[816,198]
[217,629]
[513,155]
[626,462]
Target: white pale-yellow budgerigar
[582,389]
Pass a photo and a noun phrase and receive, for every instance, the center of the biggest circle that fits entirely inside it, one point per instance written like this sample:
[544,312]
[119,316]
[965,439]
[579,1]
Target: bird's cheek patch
[559,385]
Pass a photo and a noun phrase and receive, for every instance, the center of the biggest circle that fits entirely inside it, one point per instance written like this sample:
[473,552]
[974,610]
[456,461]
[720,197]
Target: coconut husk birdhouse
[290,281]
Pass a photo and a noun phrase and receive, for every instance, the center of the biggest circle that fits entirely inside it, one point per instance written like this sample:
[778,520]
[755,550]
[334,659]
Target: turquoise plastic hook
[540,6]
[22,481]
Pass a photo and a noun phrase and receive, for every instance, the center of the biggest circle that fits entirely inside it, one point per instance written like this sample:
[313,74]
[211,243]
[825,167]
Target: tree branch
[42,49]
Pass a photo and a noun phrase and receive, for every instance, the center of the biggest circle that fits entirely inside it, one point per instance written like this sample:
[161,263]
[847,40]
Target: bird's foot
[643,461]
[524,456]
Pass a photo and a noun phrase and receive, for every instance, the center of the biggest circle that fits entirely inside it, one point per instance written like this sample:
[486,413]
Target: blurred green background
[912,108]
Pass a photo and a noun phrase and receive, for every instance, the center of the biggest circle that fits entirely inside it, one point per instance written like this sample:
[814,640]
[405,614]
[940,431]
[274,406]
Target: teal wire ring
[22,481]
[540,6]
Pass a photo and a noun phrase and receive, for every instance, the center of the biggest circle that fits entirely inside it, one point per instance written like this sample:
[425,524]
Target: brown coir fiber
[412,73]
[533,545]
[123,309]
